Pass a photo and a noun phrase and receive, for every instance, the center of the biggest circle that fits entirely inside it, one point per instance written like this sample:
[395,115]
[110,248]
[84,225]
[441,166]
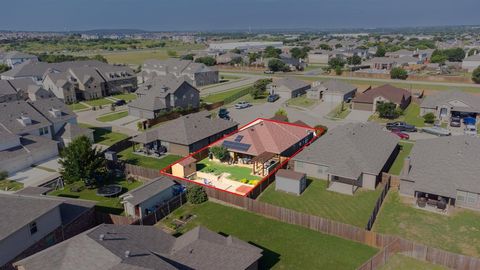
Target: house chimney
[406,166]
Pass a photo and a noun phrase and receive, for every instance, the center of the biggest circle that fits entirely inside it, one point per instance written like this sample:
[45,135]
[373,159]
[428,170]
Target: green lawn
[10,185]
[213,98]
[397,165]
[127,97]
[99,102]
[236,172]
[105,136]
[285,246]
[109,117]
[410,116]
[302,101]
[402,262]
[317,200]
[77,106]
[459,232]
[147,162]
[339,112]
[105,204]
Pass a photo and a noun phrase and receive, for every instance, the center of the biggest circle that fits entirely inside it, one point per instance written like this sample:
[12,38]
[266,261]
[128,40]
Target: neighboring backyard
[105,136]
[406,148]
[109,117]
[285,246]
[302,101]
[227,96]
[104,204]
[317,200]
[236,172]
[402,262]
[147,162]
[459,232]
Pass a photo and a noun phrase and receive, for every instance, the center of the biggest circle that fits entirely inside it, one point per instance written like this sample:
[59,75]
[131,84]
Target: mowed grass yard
[302,101]
[411,116]
[98,102]
[226,95]
[402,262]
[127,97]
[77,106]
[406,148]
[109,117]
[285,246]
[317,200]
[105,136]
[459,232]
[147,162]
[104,204]
[236,172]
[137,57]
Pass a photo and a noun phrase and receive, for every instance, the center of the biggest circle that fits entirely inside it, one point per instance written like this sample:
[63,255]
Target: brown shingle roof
[392,93]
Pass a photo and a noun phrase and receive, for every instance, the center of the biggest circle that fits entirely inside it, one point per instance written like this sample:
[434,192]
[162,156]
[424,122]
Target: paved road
[226,86]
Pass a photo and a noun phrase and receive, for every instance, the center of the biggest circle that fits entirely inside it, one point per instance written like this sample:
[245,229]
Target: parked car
[224,114]
[471,130]
[401,126]
[273,98]
[455,122]
[437,131]
[120,102]
[402,135]
[242,105]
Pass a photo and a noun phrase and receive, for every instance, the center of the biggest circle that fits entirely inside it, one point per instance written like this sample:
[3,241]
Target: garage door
[332,98]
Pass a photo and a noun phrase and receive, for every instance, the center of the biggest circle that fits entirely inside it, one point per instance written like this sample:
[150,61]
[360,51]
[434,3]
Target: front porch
[432,203]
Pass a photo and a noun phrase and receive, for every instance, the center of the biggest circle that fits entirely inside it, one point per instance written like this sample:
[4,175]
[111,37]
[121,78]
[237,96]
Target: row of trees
[452,55]
[57,58]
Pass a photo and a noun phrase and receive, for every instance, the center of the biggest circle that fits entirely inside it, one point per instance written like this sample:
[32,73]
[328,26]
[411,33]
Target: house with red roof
[368,100]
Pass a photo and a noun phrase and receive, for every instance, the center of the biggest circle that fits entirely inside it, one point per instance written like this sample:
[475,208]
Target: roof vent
[127,253]
[55,112]
[25,120]
[101,237]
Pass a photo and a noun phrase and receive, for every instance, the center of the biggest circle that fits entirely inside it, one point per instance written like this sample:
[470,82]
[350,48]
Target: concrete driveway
[36,176]
[358,116]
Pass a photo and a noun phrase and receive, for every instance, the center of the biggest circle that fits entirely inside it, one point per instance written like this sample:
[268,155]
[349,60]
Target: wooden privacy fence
[141,171]
[378,205]
[387,243]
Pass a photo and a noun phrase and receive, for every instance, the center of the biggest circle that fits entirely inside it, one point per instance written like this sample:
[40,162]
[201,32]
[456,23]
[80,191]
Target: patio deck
[222,182]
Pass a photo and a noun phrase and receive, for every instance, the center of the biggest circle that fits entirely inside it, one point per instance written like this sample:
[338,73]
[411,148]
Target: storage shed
[290,181]
[185,167]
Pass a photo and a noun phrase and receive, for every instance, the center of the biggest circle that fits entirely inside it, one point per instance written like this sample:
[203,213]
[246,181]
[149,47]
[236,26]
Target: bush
[276,65]
[325,128]
[77,187]
[398,73]
[476,75]
[219,152]
[3,175]
[196,194]
[429,118]
[388,110]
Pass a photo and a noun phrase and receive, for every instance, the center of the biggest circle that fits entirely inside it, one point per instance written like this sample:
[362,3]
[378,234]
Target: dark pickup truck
[401,126]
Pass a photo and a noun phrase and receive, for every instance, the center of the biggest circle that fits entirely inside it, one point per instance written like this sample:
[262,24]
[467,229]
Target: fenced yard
[285,246]
[406,148]
[236,173]
[317,200]
[148,162]
[105,136]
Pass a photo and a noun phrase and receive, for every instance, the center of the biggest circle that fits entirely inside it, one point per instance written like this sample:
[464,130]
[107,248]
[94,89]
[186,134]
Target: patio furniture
[432,202]
[442,204]
[422,202]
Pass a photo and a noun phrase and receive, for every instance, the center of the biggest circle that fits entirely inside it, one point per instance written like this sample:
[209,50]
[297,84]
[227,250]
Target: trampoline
[109,191]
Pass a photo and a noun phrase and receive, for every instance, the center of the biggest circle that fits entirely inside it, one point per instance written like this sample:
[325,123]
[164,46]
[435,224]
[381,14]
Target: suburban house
[184,135]
[288,87]
[349,157]
[8,92]
[163,94]
[400,53]
[76,80]
[334,91]
[381,63]
[147,198]
[197,74]
[14,58]
[451,103]
[318,57]
[444,169]
[32,223]
[146,247]
[32,130]
[472,62]
[368,100]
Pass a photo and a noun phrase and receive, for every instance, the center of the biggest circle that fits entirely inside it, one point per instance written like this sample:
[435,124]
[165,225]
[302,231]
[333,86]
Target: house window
[33,228]
[43,131]
[461,196]
[472,198]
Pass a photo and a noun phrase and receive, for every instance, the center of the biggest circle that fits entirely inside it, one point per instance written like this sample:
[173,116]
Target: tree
[338,70]
[354,60]
[206,60]
[187,56]
[472,52]
[259,87]
[236,50]
[429,118]
[272,52]
[252,57]
[219,152]
[196,194]
[80,161]
[298,53]
[276,65]
[3,175]
[398,73]
[4,68]
[388,110]
[338,45]
[476,75]
[236,60]
[439,59]
[282,112]
[335,62]
[325,47]
[452,55]
[381,51]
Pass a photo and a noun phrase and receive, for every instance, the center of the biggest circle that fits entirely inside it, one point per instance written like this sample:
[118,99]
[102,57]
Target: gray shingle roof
[6,88]
[47,106]
[186,130]
[148,190]
[149,247]
[291,83]
[452,98]
[336,86]
[72,131]
[351,149]
[10,113]
[19,211]
[475,57]
[28,144]
[443,165]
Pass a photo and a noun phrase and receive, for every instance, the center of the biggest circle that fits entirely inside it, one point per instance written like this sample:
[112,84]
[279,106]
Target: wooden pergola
[259,162]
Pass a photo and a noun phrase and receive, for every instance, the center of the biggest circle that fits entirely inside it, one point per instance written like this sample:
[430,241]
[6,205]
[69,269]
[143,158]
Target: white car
[471,130]
[437,131]
[242,105]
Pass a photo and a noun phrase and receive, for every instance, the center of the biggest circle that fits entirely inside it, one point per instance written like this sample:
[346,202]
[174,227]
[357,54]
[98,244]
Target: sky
[204,15]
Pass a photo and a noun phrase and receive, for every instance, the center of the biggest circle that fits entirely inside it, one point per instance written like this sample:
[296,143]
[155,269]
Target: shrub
[429,118]
[398,73]
[325,128]
[3,175]
[219,152]
[196,194]
[388,110]
[253,182]
[476,75]
[77,187]
[244,181]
